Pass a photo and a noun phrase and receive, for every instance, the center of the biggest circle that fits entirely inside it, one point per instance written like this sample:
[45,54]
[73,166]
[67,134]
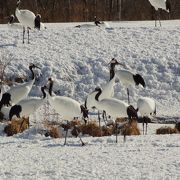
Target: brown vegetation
[166,130]
[107,131]
[16,126]
[131,128]
[91,128]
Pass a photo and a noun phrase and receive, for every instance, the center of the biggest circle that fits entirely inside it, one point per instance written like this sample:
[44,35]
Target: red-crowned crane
[67,107]
[125,76]
[115,107]
[27,19]
[160,4]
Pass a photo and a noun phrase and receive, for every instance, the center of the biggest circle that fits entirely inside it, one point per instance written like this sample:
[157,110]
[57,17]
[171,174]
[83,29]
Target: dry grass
[131,129]
[53,131]
[107,131]
[17,126]
[91,128]
[166,130]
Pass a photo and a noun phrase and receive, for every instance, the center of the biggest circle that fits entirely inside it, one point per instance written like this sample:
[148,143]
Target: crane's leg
[143,125]
[159,18]
[99,119]
[146,127]
[104,117]
[128,95]
[116,132]
[77,132]
[28,34]
[66,136]
[23,34]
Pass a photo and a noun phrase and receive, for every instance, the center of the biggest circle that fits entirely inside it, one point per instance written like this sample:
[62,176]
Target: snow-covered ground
[77,59]
[31,156]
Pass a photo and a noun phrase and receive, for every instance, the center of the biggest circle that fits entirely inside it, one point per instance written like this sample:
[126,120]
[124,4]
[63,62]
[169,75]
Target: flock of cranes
[15,100]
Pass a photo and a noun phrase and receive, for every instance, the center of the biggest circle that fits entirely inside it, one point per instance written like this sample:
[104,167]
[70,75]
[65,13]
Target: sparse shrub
[91,128]
[5,59]
[17,126]
[75,122]
[131,128]
[177,126]
[166,130]
[51,123]
[121,120]
[20,79]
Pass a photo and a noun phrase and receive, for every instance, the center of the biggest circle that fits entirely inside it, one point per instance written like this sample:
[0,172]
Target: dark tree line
[85,10]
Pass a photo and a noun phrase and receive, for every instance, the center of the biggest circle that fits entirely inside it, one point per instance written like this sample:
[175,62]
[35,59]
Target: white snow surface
[32,156]
[77,59]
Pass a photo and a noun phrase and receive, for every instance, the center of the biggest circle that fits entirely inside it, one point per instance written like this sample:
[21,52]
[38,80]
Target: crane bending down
[160,4]
[67,107]
[126,77]
[107,92]
[115,107]
[27,19]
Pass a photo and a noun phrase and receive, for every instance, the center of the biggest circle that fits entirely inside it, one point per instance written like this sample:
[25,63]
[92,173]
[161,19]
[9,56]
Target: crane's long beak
[37,67]
[118,63]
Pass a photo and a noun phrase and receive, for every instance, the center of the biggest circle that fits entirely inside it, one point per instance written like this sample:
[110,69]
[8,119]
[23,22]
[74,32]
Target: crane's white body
[158,4]
[26,18]
[107,92]
[65,106]
[113,107]
[20,92]
[90,101]
[30,105]
[125,76]
[146,106]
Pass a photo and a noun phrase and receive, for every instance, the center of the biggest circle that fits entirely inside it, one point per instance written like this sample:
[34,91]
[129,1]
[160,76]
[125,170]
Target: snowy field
[77,59]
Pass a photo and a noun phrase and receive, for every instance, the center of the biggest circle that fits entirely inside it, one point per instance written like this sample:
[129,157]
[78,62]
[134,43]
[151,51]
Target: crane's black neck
[43,92]
[50,87]
[18,3]
[31,69]
[112,74]
[168,5]
[37,22]
[98,94]
[11,19]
